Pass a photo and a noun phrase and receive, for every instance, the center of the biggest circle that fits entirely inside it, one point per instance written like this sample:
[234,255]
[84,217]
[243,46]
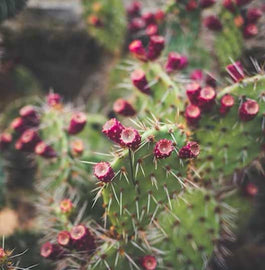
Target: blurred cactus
[105,20]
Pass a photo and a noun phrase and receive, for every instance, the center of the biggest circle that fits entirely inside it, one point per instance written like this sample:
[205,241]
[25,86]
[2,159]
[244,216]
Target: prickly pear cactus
[9,8]
[106,19]
[135,194]
[231,141]
[179,231]
[229,42]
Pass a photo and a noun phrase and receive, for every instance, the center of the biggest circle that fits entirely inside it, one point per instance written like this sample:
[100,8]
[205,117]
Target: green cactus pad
[118,255]
[229,42]
[187,233]
[228,143]
[133,203]
[113,19]
[166,96]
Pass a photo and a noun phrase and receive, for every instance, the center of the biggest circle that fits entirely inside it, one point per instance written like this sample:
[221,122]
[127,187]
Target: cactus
[220,153]
[106,19]
[229,42]
[179,234]
[134,195]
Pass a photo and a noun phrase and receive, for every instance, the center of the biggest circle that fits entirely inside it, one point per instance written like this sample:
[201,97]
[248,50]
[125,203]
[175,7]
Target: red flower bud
[137,49]
[28,141]
[163,149]
[130,137]
[29,116]
[148,262]
[44,150]
[19,125]
[155,47]
[236,71]
[53,99]
[77,123]
[191,150]
[5,140]
[206,98]
[51,251]
[151,30]
[253,15]
[250,30]
[136,25]
[227,102]
[193,92]
[82,239]
[64,239]
[140,82]
[175,61]
[213,23]
[210,80]
[123,107]
[104,172]
[192,114]
[149,18]
[229,5]
[159,16]
[197,75]
[112,129]
[95,21]
[248,110]
[134,9]
[191,5]
[77,147]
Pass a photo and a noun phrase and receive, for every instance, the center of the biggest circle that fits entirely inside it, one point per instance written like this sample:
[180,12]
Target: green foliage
[111,14]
